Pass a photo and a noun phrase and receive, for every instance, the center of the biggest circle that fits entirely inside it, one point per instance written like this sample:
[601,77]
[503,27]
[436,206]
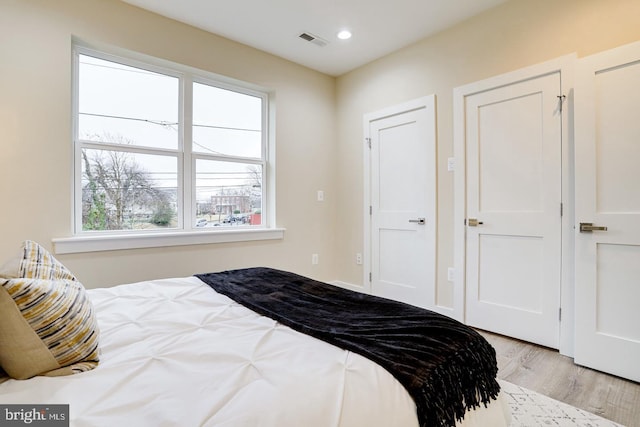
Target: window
[165,149]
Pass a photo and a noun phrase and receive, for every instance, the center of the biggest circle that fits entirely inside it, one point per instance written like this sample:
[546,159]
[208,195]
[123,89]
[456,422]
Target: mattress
[176,353]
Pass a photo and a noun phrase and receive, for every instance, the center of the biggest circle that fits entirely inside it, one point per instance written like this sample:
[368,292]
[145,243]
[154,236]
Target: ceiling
[379,27]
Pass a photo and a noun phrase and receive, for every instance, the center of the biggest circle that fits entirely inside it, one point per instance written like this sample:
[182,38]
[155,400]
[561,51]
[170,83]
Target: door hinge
[368,141]
[370,210]
[561,99]
[561,209]
[370,276]
[560,314]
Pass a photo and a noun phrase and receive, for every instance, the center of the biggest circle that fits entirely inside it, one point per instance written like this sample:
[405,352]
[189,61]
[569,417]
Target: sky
[136,107]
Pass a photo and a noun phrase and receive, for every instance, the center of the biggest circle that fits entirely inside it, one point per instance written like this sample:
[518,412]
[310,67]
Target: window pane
[228,194]
[127,105]
[128,191]
[226,122]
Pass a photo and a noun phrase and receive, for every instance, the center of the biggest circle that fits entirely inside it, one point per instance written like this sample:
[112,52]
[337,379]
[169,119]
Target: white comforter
[176,353]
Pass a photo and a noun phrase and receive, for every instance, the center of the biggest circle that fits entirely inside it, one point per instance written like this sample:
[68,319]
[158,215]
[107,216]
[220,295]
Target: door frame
[426,102]
[564,65]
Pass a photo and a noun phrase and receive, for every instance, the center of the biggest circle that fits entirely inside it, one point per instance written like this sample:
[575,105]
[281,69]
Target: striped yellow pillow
[47,323]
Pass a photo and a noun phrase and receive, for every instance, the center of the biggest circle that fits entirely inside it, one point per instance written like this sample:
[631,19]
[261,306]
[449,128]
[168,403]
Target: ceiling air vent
[314,39]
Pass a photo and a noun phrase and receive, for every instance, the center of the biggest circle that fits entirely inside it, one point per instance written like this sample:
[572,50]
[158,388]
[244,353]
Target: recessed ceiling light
[344,35]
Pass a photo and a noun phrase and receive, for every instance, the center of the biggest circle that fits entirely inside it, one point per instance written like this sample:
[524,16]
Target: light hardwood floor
[548,372]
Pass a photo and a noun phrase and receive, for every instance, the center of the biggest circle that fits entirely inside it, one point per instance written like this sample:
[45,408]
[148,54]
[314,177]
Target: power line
[162,123]
[206,148]
[165,123]
[123,67]
[227,128]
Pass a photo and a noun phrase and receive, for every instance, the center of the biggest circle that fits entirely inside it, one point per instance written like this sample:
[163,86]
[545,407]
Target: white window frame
[185,233]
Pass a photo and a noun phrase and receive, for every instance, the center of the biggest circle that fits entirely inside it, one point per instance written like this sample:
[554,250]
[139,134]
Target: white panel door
[402,212]
[514,225]
[607,157]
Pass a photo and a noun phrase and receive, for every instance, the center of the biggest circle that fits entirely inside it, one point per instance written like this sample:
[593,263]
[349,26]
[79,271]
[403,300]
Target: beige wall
[35,138]
[514,35]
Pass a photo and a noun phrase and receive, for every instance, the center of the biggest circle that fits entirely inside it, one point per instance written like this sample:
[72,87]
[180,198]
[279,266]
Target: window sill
[80,244]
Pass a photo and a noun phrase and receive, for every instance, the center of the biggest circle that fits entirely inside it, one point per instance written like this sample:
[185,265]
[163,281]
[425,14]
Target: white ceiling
[379,26]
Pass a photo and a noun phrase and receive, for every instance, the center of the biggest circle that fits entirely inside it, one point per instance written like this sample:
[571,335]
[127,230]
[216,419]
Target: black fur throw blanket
[445,366]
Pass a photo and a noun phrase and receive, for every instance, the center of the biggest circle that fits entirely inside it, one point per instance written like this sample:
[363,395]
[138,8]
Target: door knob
[420,221]
[473,222]
[588,227]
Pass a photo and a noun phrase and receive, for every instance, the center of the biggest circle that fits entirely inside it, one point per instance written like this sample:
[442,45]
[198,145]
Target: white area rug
[531,409]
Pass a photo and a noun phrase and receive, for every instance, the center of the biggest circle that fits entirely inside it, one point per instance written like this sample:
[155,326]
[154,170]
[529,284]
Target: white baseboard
[349,286]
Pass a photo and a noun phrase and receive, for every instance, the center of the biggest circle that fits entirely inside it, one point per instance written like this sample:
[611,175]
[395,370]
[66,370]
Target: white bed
[176,353]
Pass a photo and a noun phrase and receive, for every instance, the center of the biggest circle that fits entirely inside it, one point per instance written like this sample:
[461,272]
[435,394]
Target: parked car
[230,219]
[201,222]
